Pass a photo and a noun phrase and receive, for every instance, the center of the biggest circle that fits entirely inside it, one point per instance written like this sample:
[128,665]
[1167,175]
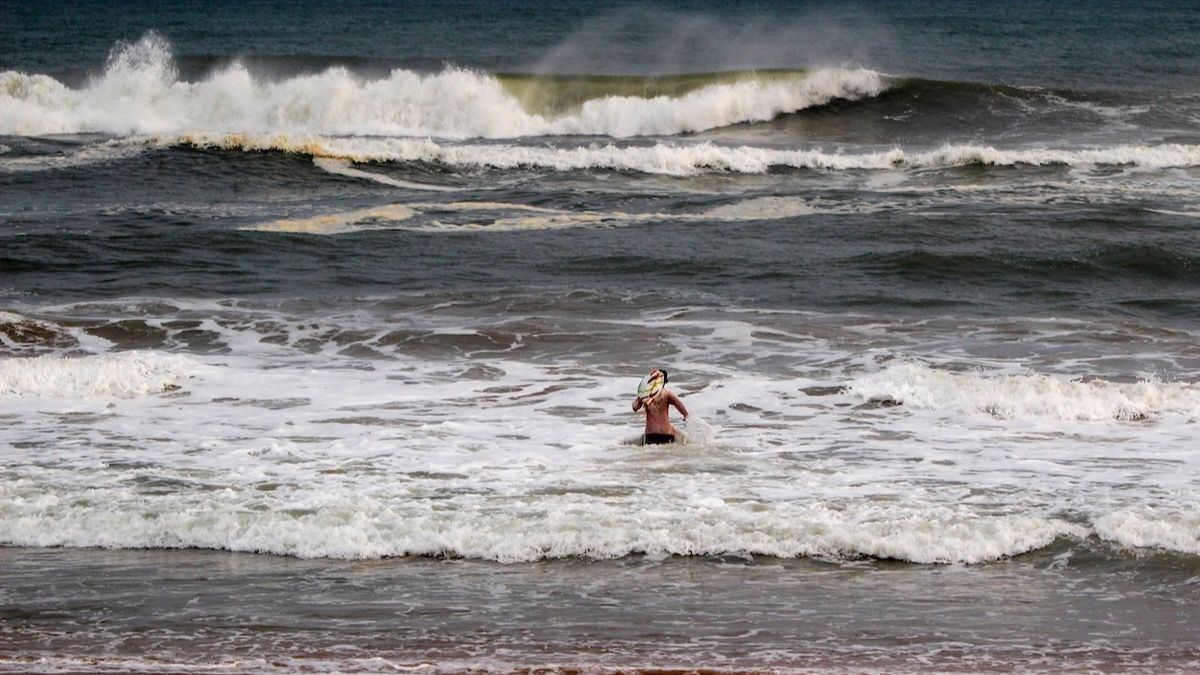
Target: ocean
[320,326]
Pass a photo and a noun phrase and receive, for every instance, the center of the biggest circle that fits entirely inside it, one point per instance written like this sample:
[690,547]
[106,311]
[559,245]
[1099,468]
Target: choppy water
[350,288]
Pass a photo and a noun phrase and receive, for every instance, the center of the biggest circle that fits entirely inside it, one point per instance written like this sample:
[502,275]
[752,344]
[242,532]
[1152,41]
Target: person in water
[656,400]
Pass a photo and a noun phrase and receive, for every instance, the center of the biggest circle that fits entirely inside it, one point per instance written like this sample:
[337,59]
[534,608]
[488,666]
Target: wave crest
[1026,396]
[365,528]
[1177,531]
[140,93]
[682,159]
[121,375]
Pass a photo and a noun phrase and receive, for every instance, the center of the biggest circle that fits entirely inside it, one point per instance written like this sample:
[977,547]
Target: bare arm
[638,403]
[679,405]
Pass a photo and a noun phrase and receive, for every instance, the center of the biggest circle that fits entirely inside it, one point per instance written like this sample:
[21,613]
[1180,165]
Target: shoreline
[71,610]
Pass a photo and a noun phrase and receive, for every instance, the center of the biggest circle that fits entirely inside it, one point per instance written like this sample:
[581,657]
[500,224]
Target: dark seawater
[318,329]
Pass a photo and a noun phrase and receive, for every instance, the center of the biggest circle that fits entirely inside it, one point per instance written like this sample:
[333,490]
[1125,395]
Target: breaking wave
[120,375]
[367,527]
[1166,529]
[1026,395]
[674,158]
[140,93]
[679,158]
[442,118]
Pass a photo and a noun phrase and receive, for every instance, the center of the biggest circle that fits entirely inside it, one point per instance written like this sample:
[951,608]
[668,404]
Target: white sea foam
[1024,396]
[424,425]
[373,526]
[120,375]
[681,159]
[1169,529]
[139,93]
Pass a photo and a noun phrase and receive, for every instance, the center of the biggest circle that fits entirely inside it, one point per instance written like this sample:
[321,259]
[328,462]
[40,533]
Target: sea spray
[697,431]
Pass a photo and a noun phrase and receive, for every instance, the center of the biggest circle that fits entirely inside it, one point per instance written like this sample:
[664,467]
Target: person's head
[652,384]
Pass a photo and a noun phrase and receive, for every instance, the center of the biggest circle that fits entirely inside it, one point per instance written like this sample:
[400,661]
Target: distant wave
[140,93]
[682,158]
[407,116]
[948,97]
[673,158]
[1026,396]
